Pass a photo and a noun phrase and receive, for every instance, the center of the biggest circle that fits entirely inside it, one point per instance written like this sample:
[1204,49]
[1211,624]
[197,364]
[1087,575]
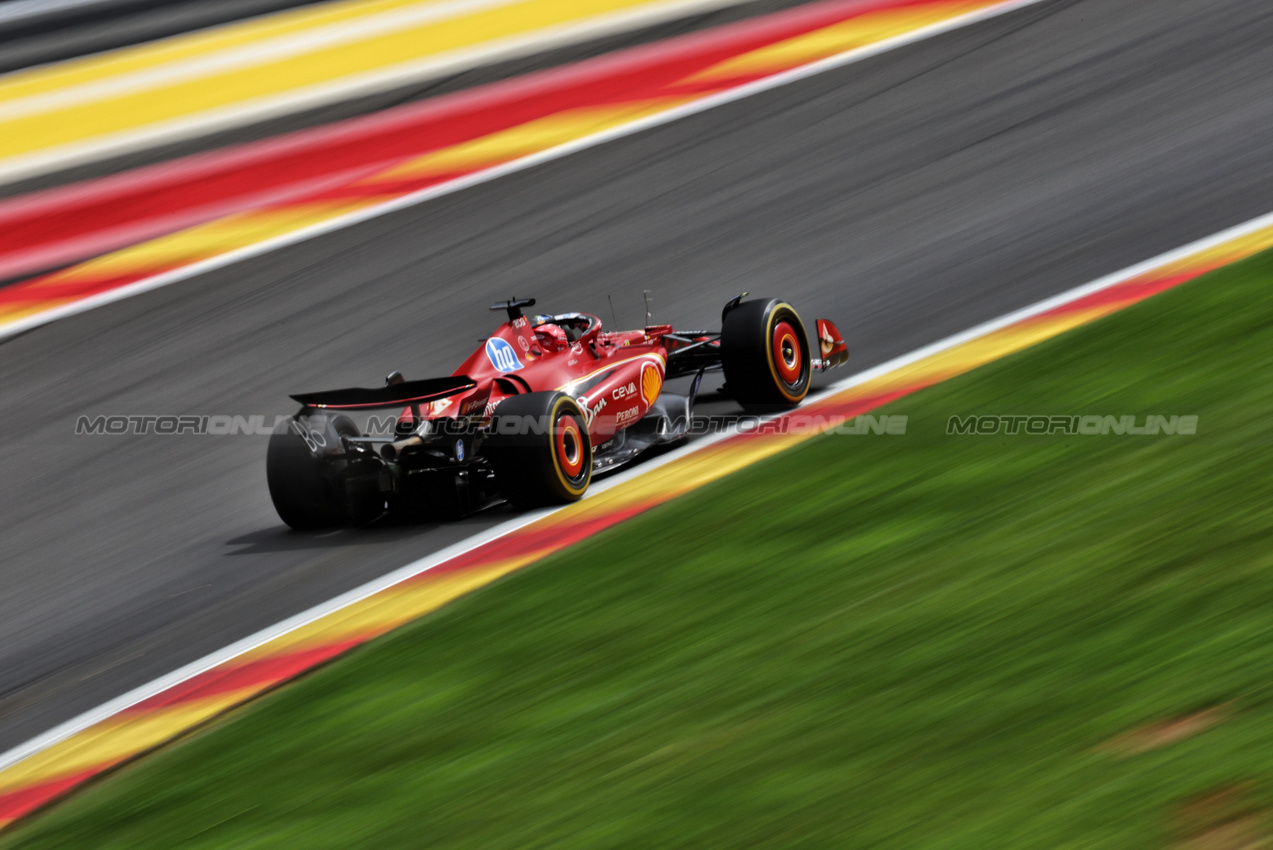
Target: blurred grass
[919,641]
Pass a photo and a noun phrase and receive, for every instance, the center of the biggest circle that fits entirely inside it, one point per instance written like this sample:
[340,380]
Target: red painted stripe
[858,406]
[15,804]
[64,225]
[537,540]
[115,220]
[260,674]
[1128,293]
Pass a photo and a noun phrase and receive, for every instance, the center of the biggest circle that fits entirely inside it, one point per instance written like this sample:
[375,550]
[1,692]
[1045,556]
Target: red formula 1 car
[532,414]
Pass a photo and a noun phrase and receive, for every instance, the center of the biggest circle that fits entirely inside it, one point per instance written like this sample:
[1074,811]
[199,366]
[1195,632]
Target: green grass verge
[919,641]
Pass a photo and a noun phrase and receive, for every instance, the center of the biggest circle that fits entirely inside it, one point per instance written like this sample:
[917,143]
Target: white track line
[19,10]
[675,114]
[151,689]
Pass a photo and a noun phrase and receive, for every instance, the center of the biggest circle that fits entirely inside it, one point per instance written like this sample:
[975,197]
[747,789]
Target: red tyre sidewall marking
[789,373]
[568,433]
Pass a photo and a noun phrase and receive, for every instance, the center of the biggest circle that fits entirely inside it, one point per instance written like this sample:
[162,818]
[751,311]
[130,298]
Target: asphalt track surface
[908,197]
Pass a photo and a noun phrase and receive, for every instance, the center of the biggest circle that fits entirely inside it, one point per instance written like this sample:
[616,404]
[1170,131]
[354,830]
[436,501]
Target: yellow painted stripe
[252,62]
[116,739]
[1223,254]
[12,314]
[388,610]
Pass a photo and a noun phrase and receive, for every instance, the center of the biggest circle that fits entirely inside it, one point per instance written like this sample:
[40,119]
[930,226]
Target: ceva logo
[502,355]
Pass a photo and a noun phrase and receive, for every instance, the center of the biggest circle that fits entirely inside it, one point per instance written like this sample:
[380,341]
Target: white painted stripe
[675,114]
[158,686]
[18,10]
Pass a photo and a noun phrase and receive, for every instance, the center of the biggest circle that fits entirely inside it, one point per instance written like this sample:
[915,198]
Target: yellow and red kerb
[107,234]
[58,769]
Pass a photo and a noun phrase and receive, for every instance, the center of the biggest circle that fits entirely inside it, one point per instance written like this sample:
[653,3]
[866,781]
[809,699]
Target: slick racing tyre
[765,355]
[538,445]
[302,467]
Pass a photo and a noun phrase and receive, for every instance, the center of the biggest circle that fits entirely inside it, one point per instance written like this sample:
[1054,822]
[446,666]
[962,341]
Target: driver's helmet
[551,336]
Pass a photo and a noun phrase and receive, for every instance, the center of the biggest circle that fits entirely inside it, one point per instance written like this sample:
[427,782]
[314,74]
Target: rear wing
[401,394]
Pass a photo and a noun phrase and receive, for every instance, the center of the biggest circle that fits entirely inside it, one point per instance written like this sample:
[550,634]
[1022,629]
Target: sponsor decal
[472,405]
[502,355]
[521,340]
[651,383]
[590,410]
[624,392]
[628,415]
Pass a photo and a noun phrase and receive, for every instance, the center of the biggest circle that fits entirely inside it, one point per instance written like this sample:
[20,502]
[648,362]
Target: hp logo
[502,355]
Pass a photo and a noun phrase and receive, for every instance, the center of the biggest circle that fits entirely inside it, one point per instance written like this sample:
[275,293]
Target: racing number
[314,438]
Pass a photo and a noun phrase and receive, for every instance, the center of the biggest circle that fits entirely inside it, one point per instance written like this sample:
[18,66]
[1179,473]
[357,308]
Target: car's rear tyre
[539,448]
[302,472]
[765,355]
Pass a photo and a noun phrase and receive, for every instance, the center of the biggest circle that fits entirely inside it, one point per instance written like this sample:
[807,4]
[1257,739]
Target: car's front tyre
[765,355]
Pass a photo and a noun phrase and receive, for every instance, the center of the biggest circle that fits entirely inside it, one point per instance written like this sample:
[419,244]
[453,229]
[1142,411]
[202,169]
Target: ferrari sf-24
[532,414]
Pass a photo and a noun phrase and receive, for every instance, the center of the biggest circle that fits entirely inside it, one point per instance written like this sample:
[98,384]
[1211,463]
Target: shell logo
[651,383]
[826,340]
